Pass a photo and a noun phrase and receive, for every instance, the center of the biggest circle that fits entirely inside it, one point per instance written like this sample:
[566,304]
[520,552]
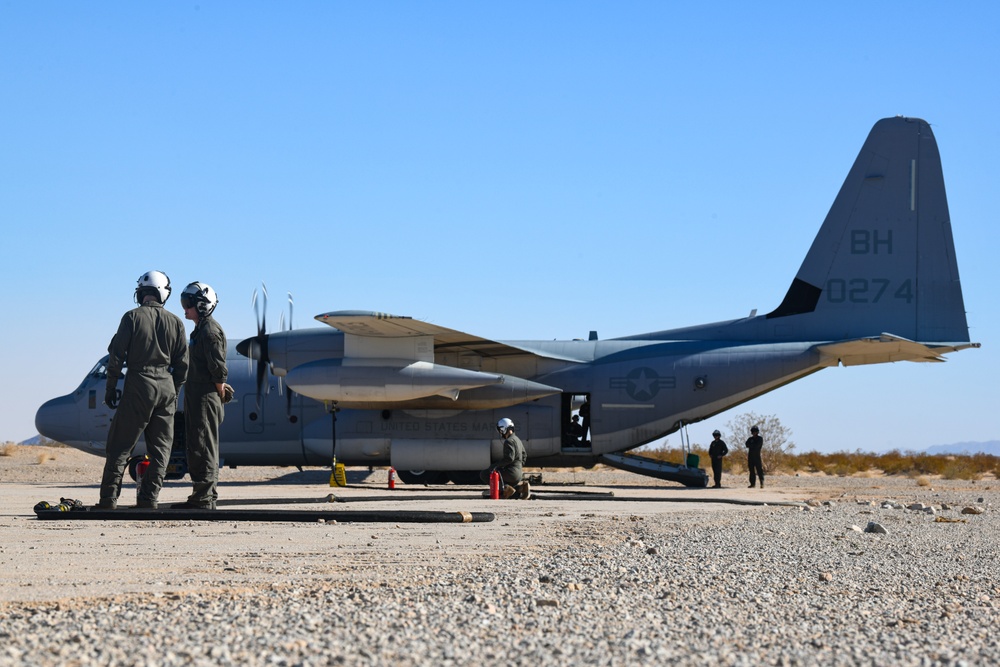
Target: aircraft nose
[58,419]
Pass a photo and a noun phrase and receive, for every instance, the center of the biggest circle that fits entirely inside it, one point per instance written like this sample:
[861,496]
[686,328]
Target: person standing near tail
[204,395]
[150,341]
[716,451]
[754,462]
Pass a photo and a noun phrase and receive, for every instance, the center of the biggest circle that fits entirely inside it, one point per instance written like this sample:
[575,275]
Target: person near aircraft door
[716,451]
[511,466]
[585,416]
[150,342]
[575,430]
[204,395]
[754,444]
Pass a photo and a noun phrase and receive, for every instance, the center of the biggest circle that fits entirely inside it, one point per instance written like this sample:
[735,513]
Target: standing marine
[716,451]
[511,466]
[150,342]
[204,395]
[754,462]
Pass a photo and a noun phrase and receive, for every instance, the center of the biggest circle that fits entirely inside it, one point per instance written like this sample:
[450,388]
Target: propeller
[281,324]
[257,346]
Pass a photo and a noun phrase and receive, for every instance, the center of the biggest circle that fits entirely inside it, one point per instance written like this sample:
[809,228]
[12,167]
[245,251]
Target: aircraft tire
[422,476]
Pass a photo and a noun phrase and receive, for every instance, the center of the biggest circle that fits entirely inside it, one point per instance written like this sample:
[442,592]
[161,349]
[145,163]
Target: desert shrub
[845,464]
[971,466]
[8,449]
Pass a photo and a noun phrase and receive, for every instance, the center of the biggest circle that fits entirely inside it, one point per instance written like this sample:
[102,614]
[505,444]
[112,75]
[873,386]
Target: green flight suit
[511,465]
[203,411]
[151,342]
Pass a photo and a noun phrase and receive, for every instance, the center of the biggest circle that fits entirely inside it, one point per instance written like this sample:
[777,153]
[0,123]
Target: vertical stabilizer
[884,259]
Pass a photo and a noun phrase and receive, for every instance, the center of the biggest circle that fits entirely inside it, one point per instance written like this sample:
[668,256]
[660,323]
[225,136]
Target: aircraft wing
[884,348]
[383,325]
[391,360]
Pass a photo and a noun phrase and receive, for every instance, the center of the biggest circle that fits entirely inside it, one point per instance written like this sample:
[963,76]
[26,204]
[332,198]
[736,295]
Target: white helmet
[153,282]
[504,424]
[201,297]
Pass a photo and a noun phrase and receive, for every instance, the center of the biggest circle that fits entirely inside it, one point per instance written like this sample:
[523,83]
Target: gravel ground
[655,574]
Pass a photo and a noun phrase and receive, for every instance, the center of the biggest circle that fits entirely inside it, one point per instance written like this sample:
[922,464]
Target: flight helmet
[716,433]
[201,297]
[504,424]
[155,283]
[754,429]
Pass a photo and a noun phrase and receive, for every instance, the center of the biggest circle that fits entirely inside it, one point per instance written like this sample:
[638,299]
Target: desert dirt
[61,560]
[58,560]
[806,530]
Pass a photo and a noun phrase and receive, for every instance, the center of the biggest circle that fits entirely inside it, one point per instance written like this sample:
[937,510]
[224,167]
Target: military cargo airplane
[879,284]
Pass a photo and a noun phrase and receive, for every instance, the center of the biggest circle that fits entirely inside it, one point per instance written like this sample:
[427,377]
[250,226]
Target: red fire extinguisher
[495,484]
[392,477]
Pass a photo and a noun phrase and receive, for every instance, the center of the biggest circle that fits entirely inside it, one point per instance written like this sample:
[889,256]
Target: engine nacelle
[383,380]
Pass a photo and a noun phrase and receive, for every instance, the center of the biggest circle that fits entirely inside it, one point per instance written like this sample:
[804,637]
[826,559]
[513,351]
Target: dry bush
[841,464]
[8,449]
[923,480]
[808,461]
[973,466]
[45,456]
[675,455]
[895,463]
[847,464]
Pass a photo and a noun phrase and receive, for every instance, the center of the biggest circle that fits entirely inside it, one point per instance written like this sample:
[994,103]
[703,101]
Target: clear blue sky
[518,170]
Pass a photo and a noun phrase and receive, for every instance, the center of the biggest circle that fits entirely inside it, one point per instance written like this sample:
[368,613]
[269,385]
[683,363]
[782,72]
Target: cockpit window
[100,371]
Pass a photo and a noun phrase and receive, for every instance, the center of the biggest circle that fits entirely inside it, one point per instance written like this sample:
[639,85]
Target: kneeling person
[511,465]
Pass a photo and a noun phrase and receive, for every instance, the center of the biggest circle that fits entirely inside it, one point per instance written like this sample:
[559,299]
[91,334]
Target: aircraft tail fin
[884,259]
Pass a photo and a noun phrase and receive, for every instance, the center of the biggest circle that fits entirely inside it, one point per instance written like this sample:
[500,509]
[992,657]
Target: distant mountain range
[991,447]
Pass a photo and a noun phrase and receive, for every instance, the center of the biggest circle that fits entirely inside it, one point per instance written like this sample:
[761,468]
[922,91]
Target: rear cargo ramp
[693,477]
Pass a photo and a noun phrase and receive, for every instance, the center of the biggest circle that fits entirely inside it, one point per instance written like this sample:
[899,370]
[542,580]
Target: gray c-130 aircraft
[879,284]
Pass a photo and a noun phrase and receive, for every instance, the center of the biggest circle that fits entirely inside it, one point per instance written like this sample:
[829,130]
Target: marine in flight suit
[203,395]
[150,341]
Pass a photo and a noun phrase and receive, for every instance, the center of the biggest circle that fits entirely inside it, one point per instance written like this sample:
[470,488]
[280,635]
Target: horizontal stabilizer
[883,349]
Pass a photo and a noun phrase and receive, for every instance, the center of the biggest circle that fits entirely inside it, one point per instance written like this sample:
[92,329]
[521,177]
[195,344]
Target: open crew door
[575,422]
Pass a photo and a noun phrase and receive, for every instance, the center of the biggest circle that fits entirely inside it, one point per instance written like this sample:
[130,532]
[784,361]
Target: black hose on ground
[305,516]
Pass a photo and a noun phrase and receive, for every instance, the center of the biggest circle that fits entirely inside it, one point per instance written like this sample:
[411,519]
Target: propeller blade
[260,343]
